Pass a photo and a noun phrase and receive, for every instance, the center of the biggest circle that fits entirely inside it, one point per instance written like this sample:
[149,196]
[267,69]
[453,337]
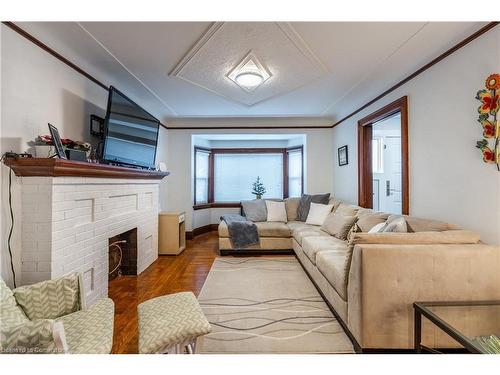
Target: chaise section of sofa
[386,279]
[372,280]
[274,237]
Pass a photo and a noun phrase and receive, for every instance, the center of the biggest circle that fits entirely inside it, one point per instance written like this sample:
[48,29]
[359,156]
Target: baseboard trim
[201,230]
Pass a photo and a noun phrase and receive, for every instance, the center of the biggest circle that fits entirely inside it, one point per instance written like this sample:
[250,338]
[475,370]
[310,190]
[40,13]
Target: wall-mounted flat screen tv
[130,132]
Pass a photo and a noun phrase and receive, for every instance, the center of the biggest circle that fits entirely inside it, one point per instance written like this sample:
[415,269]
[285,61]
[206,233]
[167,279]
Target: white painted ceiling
[319,69]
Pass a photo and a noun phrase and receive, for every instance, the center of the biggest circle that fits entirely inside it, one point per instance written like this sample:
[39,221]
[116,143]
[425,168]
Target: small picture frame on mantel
[343,156]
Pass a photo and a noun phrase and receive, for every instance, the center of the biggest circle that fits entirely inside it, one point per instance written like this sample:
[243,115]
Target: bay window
[295,174]
[226,176]
[202,175]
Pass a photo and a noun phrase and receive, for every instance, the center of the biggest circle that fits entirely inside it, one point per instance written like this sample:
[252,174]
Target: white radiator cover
[67,221]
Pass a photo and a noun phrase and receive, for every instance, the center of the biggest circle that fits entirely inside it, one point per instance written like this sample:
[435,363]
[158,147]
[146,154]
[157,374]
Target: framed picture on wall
[343,156]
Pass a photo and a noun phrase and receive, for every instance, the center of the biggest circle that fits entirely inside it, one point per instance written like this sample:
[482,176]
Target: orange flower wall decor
[488,110]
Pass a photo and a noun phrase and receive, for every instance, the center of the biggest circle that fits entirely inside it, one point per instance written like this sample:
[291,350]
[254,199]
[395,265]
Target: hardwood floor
[168,274]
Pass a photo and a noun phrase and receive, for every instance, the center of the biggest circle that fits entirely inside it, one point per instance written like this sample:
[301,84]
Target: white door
[391,187]
[376,194]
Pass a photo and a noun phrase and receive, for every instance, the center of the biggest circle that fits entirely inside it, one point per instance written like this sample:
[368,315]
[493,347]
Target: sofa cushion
[311,246]
[338,225]
[367,219]
[254,210]
[265,243]
[297,225]
[305,204]
[334,265]
[318,213]
[276,211]
[309,231]
[265,229]
[90,331]
[291,205]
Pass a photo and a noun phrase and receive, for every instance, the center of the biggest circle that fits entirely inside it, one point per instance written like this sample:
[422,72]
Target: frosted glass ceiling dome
[249,80]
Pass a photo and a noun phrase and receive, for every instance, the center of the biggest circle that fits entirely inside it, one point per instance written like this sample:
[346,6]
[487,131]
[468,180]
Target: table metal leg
[417,331]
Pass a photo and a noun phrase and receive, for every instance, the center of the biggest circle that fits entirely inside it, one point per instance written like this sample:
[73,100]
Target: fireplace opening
[122,254]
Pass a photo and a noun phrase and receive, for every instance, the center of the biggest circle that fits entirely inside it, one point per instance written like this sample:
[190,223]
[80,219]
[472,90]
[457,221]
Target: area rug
[266,305]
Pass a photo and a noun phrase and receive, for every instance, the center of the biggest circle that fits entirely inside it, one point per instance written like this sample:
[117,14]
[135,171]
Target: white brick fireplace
[67,222]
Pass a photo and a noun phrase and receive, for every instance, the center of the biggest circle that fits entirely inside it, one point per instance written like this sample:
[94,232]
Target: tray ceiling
[317,69]
[288,61]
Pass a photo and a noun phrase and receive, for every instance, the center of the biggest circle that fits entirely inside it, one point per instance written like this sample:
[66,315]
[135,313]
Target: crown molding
[441,57]
[206,36]
[301,45]
[422,69]
[151,91]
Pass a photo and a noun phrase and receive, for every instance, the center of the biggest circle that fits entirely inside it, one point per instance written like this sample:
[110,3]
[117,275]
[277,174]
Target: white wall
[448,180]
[318,153]
[36,88]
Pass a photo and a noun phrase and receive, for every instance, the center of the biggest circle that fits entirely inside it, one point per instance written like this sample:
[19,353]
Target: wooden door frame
[365,175]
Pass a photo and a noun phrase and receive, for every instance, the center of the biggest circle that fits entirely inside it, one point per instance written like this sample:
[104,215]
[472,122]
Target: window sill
[216,205]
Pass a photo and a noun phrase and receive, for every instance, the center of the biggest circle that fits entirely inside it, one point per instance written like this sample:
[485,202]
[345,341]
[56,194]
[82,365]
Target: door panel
[392,164]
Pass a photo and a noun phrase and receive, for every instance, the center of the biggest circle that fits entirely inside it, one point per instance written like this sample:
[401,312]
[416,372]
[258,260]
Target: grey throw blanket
[242,232]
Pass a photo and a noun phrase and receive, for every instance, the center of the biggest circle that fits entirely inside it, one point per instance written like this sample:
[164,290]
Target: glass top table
[473,324]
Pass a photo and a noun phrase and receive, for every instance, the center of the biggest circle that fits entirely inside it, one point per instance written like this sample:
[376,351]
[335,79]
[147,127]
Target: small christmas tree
[258,188]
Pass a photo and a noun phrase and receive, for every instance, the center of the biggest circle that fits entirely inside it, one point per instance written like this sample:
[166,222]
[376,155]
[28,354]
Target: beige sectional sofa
[372,280]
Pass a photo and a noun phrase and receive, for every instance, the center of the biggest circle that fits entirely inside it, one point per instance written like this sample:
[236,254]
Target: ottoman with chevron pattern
[171,324]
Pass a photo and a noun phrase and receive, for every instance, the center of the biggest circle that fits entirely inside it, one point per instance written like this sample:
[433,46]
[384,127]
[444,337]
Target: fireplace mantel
[53,167]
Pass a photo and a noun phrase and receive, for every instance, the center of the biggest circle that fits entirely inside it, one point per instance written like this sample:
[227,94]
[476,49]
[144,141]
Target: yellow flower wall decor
[488,110]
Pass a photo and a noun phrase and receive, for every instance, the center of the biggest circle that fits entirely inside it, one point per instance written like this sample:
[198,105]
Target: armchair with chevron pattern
[51,317]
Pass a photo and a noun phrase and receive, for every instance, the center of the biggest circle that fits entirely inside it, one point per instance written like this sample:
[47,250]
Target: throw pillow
[368,220]
[377,228]
[305,204]
[338,225]
[395,224]
[346,210]
[350,236]
[276,211]
[416,224]
[336,203]
[255,210]
[50,299]
[291,205]
[318,213]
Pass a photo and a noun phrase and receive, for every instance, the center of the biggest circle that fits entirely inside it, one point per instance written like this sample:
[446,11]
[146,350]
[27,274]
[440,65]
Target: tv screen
[131,133]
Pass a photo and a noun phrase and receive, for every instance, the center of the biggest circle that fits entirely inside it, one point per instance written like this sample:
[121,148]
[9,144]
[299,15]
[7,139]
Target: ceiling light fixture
[249,80]
[250,73]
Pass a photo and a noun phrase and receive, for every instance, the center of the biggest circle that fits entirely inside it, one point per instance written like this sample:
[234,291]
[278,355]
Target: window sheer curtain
[295,173]
[202,173]
[236,173]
